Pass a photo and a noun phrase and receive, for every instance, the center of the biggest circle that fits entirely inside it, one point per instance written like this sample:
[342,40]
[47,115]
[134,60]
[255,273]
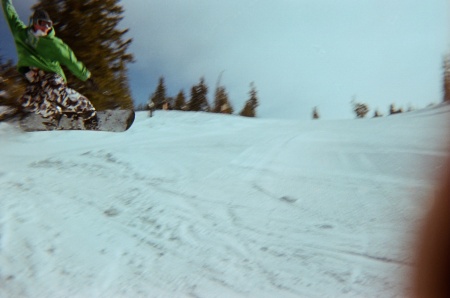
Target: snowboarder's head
[41,22]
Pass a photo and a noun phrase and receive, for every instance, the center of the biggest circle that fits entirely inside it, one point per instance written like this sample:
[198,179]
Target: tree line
[362,109]
[90,28]
[198,100]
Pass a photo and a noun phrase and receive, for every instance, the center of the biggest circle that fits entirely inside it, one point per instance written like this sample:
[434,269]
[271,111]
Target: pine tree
[221,102]
[249,109]
[360,109]
[446,83]
[180,102]
[12,83]
[377,114]
[393,110]
[159,97]
[199,101]
[90,28]
[316,113]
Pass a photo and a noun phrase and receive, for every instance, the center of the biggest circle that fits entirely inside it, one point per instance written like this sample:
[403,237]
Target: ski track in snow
[193,205]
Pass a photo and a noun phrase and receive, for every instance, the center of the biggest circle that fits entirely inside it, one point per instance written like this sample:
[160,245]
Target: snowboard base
[108,120]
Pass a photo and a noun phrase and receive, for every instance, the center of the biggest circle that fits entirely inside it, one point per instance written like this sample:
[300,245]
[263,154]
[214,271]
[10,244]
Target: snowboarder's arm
[12,17]
[66,57]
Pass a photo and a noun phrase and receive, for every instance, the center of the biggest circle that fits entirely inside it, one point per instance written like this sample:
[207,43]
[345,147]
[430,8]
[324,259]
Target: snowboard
[108,120]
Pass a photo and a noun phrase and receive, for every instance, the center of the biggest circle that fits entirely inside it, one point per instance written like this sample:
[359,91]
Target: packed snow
[206,205]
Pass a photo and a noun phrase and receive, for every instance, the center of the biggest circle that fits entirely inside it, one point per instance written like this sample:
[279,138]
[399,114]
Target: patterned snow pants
[47,94]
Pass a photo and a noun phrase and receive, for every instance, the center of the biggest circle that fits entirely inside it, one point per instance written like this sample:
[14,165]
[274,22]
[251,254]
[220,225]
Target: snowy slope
[202,205]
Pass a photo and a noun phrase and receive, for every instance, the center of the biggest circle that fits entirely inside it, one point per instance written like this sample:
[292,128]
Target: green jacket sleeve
[66,57]
[12,17]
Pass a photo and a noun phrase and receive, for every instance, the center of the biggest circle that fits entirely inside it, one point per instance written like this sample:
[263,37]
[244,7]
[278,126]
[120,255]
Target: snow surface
[204,205]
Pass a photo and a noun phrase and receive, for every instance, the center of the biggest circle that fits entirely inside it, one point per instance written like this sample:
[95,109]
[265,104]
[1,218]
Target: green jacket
[47,53]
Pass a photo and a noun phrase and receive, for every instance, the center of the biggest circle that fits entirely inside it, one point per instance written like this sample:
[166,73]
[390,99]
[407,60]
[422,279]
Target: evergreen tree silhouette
[12,83]
[199,102]
[251,104]
[180,102]
[377,114]
[360,109]
[393,110]
[316,113]
[158,98]
[446,83]
[221,102]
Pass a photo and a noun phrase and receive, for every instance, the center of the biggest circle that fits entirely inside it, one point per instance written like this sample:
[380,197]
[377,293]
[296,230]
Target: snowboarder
[40,56]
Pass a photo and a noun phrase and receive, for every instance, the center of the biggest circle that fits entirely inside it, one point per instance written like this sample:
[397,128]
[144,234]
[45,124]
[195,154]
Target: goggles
[44,23]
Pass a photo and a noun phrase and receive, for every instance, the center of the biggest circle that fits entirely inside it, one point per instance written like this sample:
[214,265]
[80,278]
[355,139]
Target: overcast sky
[299,53]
